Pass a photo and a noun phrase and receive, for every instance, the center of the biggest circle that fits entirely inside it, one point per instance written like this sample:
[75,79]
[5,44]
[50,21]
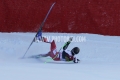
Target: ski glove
[75,60]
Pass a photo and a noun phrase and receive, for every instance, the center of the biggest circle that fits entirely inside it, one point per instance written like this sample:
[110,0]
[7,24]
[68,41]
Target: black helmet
[75,50]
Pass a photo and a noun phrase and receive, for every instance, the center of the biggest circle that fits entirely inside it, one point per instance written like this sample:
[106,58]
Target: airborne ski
[39,32]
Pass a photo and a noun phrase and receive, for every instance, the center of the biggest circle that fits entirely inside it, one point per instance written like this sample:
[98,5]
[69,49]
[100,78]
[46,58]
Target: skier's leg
[53,46]
[53,52]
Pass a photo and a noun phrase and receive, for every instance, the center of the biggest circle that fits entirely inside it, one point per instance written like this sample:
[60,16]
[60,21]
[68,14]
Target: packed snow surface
[99,58]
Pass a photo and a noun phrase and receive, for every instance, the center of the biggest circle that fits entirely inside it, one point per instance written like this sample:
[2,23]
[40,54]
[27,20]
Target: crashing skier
[65,55]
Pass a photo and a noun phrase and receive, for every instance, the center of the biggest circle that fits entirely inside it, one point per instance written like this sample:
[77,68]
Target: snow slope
[100,58]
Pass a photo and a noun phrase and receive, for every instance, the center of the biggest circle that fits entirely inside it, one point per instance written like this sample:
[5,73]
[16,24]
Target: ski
[35,56]
[39,32]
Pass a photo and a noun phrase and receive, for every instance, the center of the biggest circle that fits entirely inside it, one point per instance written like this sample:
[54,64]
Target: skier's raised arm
[67,43]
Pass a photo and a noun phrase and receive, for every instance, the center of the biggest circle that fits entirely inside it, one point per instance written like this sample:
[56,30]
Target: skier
[65,55]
